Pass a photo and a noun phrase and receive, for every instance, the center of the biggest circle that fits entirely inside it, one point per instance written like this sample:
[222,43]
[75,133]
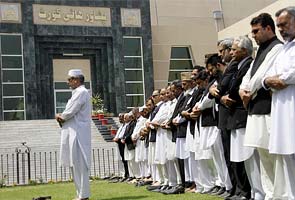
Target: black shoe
[115,180]
[232,197]
[160,189]
[219,192]
[179,189]
[215,190]
[166,189]
[207,191]
[114,177]
[123,179]
[153,187]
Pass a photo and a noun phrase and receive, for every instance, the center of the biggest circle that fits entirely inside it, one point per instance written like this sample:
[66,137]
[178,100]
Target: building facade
[41,40]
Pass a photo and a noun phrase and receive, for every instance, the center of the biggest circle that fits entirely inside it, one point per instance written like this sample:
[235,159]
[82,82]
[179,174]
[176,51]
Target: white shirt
[282,134]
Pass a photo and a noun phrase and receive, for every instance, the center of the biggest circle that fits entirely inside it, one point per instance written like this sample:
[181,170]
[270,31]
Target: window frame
[13,69]
[135,69]
[181,59]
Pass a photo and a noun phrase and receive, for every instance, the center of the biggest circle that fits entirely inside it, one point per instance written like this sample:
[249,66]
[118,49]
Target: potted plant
[97,106]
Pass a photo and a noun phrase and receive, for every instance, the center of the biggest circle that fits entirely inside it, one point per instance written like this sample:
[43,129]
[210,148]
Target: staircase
[107,127]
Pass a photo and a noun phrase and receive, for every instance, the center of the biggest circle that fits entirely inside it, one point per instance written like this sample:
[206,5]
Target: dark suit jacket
[196,96]
[238,114]
[127,135]
[178,105]
[182,126]
[209,115]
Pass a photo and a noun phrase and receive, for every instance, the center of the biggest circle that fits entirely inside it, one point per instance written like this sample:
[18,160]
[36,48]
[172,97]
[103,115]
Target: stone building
[41,40]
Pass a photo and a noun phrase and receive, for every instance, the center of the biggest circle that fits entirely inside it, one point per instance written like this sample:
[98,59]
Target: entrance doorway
[62,92]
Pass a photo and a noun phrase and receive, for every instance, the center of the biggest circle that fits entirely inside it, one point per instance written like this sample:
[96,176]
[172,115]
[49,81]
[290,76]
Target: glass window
[173,76]
[13,103]
[61,85]
[180,52]
[134,101]
[65,86]
[180,60]
[14,115]
[12,75]
[181,64]
[132,62]
[134,88]
[11,62]
[132,47]
[62,98]
[11,44]
[133,75]
[13,90]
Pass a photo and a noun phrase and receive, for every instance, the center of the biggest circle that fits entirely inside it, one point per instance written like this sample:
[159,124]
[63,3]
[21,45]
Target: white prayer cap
[142,108]
[75,72]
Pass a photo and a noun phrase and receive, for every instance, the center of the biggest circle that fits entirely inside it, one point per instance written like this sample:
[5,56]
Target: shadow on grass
[128,197]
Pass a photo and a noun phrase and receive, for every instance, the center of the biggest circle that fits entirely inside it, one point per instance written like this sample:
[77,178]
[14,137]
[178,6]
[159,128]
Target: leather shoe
[215,190]
[160,189]
[232,197]
[153,187]
[219,192]
[179,189]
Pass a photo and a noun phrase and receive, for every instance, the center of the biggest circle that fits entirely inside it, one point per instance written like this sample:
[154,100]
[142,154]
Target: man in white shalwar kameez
[75,121]
[281,79]
[258,102]
[140,150]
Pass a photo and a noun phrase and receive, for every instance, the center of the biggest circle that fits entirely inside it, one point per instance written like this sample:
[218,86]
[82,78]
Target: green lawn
[100,190]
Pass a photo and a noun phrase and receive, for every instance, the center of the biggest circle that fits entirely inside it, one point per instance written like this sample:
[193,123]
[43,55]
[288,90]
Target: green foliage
[97,103]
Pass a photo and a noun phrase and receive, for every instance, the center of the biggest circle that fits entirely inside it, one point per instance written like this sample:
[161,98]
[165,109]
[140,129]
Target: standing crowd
[225,129]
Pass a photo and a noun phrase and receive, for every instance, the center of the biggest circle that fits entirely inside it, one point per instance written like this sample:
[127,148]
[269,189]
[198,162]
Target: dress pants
[220,163]
[80,173]
[125,164]
[237,172]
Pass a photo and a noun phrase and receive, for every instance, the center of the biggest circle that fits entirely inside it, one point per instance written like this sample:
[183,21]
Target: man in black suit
[241,52]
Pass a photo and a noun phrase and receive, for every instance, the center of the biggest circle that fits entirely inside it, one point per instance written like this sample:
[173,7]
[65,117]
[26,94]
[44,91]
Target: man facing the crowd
[75,120]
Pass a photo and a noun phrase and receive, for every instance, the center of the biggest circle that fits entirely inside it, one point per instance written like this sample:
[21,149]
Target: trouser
[80,173]
[144,169]
[133,168]
[267,167]
[181,171]
[284,183]
[252,166]
[173,172]
[125,164]
[203,176]
[220,164]
[163,174]
[225,137]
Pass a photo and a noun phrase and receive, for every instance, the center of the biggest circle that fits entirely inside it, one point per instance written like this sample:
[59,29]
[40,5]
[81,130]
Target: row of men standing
[228,128]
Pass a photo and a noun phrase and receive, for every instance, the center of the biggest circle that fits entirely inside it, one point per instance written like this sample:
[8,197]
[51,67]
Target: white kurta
[282,135]
[76,129]
[258,126]
[161,137]
[140,149]
[170,147]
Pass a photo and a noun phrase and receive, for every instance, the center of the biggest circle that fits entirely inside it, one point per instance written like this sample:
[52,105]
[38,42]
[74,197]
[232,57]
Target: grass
[100,190]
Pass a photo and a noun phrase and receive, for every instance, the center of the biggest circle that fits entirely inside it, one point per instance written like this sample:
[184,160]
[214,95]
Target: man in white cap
[75,121]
